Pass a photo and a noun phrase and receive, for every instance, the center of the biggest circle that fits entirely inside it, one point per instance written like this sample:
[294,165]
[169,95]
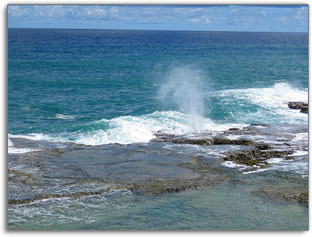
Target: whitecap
[272,103]
[62,116]
[132,129]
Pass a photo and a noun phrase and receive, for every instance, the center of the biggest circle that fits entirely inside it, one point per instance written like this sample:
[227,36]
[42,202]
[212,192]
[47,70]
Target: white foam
[273,100]
[62,116]
[14,150]
[231,164]
[132,129]
[300,153]
[301,137]
[281,164]
[33,136]
[10,143]
[257,171]
[129,129]
[275,160]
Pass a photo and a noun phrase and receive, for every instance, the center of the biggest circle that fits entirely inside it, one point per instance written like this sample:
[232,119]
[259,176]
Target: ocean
[105,87]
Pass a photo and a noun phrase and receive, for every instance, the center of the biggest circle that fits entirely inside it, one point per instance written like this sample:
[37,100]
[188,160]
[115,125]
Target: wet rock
[263,146]
[280,186]
[285,194]
[226,141]
[71,170]
[53,196]
[305,110]
[246,157]
[205,141]
[258,124]
[303,107]
[303,198]
[297,105]
[256,156]
[77,171]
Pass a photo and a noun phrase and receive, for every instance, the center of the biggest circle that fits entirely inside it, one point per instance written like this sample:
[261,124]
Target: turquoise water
[98,86]
[222,207]
[121,86]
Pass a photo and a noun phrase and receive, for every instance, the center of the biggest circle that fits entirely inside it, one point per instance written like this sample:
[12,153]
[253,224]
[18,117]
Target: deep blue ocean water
[101,86]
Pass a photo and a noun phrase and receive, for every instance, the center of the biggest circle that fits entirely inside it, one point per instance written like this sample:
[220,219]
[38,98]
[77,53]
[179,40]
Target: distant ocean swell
[240,106]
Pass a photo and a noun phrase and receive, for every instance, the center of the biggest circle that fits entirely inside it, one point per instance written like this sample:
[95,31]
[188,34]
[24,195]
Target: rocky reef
[169,163]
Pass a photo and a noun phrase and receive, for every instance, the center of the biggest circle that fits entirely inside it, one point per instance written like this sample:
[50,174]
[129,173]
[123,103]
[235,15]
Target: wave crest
[131,129]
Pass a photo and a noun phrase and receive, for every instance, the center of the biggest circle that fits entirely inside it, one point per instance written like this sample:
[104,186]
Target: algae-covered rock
[303,198]
[257,155]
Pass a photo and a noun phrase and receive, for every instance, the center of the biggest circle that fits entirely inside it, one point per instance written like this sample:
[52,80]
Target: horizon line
[241,31]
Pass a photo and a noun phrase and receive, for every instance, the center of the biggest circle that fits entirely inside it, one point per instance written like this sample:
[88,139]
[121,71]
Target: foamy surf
[271,103]
[13,150]
[132,129]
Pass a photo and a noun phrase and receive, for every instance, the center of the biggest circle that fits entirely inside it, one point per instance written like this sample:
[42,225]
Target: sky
[260,18]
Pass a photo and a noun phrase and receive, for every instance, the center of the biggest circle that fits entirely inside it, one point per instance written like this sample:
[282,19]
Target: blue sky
[282,18]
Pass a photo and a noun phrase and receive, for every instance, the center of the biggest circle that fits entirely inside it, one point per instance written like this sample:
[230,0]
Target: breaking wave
[130,129]
[241,106]
[263,105]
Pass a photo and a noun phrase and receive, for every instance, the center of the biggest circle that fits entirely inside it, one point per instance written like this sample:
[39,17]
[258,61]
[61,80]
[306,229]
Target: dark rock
[303,198]
[296,105]
[226,141]
[256,156]
[263,146]
[205,141]
[305,110]
[258,124]
[304,107]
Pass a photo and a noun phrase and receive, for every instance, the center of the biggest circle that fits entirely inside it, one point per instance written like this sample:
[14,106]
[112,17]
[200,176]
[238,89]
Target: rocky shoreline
[164,165]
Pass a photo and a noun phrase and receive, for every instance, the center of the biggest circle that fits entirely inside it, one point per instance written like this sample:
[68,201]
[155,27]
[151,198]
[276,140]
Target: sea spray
[184,87]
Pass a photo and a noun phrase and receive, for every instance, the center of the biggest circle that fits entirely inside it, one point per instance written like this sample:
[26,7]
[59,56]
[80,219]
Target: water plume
[184,87]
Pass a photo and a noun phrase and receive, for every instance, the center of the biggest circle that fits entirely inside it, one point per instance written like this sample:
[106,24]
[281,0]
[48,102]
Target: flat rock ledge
[74,171]
[257,152]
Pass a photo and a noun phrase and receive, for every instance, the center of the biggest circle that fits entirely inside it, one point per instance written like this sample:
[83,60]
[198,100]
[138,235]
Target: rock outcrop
[257,155]
[303,107]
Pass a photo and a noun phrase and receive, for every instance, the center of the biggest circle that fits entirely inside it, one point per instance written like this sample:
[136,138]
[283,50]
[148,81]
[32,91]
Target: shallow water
[226,206]
[240,199]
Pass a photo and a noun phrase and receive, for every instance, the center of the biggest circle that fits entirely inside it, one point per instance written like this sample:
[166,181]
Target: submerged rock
[289,194]
[78,170]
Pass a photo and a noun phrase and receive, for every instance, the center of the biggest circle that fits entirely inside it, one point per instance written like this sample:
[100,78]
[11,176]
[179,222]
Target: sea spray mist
[183,87]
